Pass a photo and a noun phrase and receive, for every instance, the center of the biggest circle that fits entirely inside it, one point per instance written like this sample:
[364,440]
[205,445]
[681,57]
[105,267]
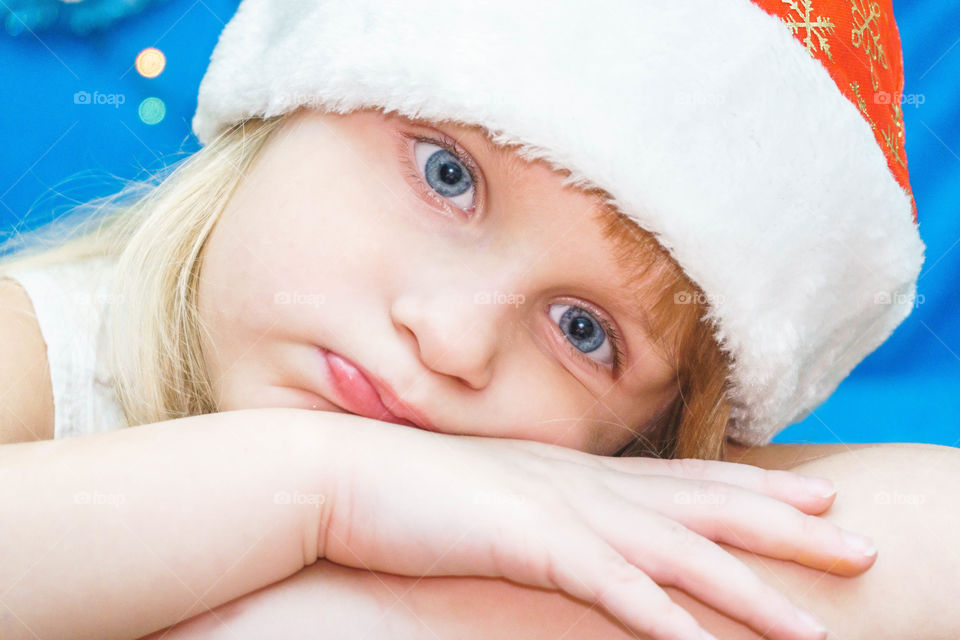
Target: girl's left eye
[445,173]
[587,334]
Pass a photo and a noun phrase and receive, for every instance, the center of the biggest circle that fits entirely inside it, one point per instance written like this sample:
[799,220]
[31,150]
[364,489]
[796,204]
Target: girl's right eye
[443,173]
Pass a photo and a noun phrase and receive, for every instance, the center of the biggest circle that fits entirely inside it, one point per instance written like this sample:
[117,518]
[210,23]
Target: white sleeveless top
[70,301]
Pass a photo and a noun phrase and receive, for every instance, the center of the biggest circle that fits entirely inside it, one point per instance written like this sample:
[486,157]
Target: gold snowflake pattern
[863,36]
[893,142]
[815,28]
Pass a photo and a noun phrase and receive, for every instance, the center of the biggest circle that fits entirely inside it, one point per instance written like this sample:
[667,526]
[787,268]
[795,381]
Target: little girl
[447,292]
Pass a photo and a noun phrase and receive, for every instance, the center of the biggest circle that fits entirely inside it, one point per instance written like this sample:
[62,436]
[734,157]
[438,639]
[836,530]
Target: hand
[605,530]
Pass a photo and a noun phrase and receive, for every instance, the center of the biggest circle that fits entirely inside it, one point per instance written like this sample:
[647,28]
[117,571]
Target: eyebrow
[638,260]
[461,131]
[509,163]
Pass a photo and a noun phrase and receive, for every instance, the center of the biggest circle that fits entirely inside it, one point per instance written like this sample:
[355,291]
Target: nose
[454,332]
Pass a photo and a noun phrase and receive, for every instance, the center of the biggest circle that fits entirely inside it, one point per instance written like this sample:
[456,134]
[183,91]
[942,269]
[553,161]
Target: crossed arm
[905,496]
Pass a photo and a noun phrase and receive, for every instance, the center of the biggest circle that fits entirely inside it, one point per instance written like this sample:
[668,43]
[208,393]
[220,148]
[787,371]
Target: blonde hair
[157,228]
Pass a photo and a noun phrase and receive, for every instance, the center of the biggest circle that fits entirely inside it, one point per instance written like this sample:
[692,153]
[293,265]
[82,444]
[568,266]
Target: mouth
[365,395]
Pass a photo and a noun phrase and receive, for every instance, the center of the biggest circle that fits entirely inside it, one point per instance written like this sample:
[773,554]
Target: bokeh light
[152,110]
[150,62]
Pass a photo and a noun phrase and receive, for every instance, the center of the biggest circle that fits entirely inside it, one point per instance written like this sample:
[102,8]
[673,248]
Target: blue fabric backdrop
[59,148]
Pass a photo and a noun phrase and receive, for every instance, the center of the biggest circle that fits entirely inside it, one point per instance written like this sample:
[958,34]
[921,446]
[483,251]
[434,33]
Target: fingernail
[707,636]
[821,487]
[811,622]
[860,544]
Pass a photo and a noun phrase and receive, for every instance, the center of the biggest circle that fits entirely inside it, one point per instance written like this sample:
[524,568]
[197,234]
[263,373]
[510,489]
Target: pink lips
[360,396]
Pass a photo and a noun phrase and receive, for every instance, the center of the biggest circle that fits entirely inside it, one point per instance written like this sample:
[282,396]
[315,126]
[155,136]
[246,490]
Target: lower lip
[357,394]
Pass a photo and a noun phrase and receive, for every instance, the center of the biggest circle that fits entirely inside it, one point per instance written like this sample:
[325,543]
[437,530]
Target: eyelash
[616,341]
[448,143]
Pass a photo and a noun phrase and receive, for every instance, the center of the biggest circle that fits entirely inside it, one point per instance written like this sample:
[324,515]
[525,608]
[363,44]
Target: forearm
[905,497]
[121,533]
[322,600]
[908,593]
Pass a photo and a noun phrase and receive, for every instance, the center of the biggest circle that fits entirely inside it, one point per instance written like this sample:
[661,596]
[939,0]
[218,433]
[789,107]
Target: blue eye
[585,332]
[446,174]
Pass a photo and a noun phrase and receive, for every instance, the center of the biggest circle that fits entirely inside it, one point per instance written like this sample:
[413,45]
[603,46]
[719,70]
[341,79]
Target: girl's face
[466,279]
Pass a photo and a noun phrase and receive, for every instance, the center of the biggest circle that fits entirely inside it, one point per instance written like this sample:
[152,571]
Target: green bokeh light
[152,110]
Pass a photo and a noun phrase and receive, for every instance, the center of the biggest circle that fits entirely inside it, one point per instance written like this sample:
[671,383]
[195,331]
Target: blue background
[56,153]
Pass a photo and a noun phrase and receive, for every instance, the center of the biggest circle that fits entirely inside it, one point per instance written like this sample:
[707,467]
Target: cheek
[302,230]
[344,232]
[617,422]
[545,403]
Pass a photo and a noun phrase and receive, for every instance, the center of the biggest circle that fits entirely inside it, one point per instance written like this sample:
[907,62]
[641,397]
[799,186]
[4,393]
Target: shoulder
[26,394]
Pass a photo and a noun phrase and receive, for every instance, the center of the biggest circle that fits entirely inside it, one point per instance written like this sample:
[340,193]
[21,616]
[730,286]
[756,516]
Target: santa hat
[760,141]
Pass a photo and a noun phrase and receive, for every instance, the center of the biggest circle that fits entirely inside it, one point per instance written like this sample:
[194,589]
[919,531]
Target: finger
[751,521]
[671,554]
[807,493]
[596,573]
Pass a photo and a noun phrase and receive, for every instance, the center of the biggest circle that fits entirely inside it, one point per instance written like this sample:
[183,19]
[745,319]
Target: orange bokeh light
[150,62]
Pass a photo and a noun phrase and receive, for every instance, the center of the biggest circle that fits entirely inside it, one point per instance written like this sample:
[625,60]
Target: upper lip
[397,407]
